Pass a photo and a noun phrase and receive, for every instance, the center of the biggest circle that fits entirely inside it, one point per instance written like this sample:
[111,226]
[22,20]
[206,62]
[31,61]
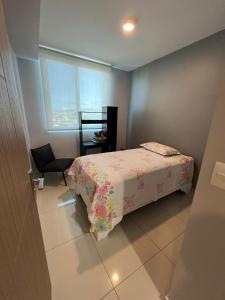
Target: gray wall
[65,144]
[200,273]
[172,99]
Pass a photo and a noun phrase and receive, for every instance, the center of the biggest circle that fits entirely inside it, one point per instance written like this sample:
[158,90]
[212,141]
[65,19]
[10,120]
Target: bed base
[101,235]
[186,188]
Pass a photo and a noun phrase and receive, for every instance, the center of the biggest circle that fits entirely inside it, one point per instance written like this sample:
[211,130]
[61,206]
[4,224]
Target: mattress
[116,183]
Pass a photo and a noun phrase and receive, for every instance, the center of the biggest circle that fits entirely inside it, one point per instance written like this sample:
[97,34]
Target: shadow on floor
[128,232]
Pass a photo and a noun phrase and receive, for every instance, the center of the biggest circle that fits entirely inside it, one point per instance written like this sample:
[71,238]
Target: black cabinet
[94,121]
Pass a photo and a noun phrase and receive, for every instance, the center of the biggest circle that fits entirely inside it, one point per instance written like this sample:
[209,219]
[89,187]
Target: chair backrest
[42,156]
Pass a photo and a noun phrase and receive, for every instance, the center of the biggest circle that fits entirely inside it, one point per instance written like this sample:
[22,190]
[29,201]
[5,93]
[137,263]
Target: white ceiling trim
[41,46]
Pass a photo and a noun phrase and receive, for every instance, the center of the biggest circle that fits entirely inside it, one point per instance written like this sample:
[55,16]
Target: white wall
[172,99]
[23,26]
[65,144]
[200,274]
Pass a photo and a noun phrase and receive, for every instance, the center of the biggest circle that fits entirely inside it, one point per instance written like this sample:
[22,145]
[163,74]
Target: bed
[114,184]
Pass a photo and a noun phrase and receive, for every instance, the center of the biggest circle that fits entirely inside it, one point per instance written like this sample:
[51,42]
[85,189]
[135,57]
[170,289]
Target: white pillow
[160,149]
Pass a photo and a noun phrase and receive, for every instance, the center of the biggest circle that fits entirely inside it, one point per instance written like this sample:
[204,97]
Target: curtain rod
[41,46]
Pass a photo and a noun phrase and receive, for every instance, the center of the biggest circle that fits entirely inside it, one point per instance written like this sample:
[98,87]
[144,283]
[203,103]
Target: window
[71,85]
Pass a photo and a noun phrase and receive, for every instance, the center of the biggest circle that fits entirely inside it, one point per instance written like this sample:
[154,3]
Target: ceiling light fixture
[129,25]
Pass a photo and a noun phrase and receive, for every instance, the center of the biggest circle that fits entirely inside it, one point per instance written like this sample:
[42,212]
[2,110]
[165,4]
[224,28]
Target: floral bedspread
[117,183]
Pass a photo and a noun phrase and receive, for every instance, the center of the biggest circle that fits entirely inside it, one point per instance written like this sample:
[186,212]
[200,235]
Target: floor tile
[56,180]
[54,193]
[138,286]
[81,209]
[176,202]
[51,198]
[173,249]
[160,270]
[61,225]
[111,296]
[140,242]
[124,250]
[165,232]
[184,214]
[77,272]
[162,210]
[147,215]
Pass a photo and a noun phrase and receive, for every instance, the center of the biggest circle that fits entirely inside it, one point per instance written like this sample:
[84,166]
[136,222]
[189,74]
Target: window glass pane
[93,89]
[72,85]
[61,106]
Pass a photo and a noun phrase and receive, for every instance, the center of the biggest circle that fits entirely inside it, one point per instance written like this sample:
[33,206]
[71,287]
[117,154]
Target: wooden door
[23,267]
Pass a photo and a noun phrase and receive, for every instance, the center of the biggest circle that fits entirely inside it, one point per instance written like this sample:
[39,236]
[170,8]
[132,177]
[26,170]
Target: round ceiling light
[129,25]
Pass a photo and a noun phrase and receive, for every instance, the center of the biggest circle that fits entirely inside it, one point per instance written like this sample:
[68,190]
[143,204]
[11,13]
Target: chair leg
[64,178]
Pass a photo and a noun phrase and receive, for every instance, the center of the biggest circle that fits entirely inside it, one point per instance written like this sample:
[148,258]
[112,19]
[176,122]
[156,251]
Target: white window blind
[71,85]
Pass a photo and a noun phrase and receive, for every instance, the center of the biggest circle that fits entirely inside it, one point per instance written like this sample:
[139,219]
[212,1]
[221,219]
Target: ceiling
[92,28]
[23,19]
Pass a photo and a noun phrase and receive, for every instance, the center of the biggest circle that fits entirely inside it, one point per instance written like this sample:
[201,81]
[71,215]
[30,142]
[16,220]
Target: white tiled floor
[136,261]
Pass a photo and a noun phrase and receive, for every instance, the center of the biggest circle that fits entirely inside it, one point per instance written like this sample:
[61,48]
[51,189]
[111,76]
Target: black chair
[46,162]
